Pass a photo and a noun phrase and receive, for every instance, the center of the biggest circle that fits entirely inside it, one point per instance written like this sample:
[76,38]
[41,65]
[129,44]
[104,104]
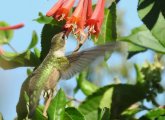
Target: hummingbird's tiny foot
[46,106]
[77,48]
[45,114]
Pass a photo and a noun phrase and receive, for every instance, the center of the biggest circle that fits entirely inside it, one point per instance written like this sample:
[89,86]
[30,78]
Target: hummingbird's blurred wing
[78,61]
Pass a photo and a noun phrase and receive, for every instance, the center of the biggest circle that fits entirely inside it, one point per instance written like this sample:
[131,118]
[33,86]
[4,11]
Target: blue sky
[16,11]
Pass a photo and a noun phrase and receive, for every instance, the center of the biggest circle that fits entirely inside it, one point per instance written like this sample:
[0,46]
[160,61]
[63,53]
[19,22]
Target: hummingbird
[54,67]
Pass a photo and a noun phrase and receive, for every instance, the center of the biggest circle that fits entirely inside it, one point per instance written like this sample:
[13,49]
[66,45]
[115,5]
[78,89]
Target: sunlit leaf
[72,113]
[56,109]
[152,14]
[141,36]
[155,114]
[39,114]
[106,99]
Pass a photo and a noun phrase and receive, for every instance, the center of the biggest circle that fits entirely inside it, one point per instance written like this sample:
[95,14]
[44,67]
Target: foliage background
[25,11]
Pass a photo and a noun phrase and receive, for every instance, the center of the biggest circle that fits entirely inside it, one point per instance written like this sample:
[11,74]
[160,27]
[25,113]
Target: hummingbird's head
[58,41]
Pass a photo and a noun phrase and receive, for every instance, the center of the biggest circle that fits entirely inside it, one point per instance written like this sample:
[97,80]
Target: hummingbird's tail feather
[22,108]
[34,101]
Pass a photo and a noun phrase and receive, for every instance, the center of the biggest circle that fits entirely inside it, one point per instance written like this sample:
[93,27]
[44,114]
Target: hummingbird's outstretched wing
[78,61]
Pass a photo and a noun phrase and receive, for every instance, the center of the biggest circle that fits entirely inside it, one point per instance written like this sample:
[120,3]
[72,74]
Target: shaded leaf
[13,60]
[73,114]
[106,99]
[124,96]
[47,34]
[56,109]
[34,40]
[5,36]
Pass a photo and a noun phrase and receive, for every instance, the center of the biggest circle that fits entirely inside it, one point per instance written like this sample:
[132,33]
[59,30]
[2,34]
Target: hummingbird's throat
[59,53]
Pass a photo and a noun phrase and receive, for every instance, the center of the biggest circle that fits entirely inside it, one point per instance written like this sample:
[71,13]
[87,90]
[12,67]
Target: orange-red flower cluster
[82,17]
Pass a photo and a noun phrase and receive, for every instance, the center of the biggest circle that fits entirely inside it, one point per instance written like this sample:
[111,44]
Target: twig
[12,47]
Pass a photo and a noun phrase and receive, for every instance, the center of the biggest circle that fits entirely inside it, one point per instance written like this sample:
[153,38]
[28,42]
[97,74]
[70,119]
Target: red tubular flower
[54,9]
[95,21]
[61,9]
[89,9]
[12,27]
[81,23]
[64,10]
[1,51]
[82,17]
[76,16]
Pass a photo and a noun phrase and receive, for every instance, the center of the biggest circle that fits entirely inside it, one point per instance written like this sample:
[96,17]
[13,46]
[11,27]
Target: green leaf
[72,113]
[56,109]
[119,98]
[5,36]
[48,20]
[29,71]
[82,83]
[129,114]
[39,114]
[141,36]
[108,29]
[14,60]
[139,75]
[43,19]
[106,114]
[37,52]
[90,107]
[34,40]
[155,114]
[134,49]
[106,101]
[47,34]
[1,117]
[152,14]
[124,96]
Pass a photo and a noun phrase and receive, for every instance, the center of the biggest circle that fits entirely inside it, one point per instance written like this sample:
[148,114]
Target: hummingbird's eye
[63,37]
